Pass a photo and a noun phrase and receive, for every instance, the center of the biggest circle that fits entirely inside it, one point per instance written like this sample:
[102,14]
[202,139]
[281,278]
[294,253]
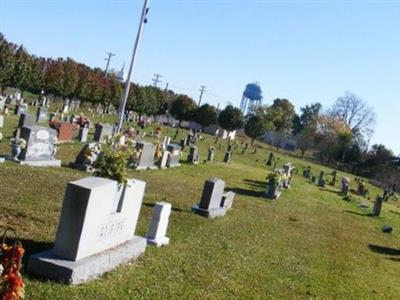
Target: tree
[231,118]
[53,76]
[70,78]
[22,69]
[36,76]
[355,112]
[183,108]
[307,116]
[206,115]
[149,100]
[281,113]
[305,139]
[330,134]
[255,127]
[6,62]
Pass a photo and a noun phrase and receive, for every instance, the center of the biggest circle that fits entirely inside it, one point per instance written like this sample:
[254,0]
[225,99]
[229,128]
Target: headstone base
[146,168]
[41,163]
[47,265]
[209,213]
[158,242]
[174,166]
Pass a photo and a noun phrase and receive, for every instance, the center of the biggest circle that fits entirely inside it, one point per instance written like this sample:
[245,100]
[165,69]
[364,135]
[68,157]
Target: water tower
[252,98]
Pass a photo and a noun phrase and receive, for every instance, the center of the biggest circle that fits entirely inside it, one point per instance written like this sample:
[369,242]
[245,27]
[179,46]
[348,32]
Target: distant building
[220,132]
[281,140]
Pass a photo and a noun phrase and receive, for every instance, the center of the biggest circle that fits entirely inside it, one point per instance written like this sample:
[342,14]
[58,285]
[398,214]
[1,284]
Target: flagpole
[124,98]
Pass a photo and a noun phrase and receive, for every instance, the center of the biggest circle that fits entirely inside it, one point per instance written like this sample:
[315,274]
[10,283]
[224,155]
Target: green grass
[309,244]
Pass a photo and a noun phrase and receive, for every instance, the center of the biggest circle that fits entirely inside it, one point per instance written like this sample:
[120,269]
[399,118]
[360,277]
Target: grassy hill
[309,244]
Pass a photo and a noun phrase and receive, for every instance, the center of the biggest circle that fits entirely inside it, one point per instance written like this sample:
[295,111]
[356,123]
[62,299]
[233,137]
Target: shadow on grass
[358,213]
[246,192]
[151,205]
[394,212]
[255,183]
[384,250]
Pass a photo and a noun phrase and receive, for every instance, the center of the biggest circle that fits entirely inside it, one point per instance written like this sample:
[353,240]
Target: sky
[305,51]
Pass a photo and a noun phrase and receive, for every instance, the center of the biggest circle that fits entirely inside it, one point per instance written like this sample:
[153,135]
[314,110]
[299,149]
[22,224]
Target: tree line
[337,136]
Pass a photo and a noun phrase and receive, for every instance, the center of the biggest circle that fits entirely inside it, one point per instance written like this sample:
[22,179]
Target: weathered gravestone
[26,120]
[40,147]
[193,156]
[377,206]
[41,114]
[159,224]
[175,155]
[166,142]
[162,163]
[146,156]
[96,231]
[227,157]
[83,134]
[1,121]
[210,156]
[65,132]
[103,131]
[214,202]
[321,180]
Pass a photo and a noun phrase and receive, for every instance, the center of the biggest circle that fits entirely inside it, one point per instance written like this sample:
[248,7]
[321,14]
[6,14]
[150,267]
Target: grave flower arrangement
[112,161]
[11,282]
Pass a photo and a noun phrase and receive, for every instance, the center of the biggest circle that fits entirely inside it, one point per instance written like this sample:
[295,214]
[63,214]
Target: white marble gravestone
[159,224]
[96,232]
[1,121]
[164,159]
[83,134]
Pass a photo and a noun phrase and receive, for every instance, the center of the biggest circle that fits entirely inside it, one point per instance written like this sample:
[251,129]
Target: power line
[108,59]
[156,79]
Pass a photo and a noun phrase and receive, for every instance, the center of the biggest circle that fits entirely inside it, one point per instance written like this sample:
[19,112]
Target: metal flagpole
[122,105]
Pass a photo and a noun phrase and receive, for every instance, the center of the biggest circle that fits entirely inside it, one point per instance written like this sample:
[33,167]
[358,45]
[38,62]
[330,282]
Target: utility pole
[166,87]
[108,59]
[156,79]
[202,89]
[143,20]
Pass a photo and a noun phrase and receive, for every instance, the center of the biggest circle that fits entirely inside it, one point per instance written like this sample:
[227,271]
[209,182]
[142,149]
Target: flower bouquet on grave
[111,163]
[11,282]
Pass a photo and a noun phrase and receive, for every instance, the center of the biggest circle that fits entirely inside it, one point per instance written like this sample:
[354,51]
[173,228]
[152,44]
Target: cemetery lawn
[309,244]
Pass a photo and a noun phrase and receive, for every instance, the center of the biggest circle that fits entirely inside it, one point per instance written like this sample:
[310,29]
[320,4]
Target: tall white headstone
[159,224]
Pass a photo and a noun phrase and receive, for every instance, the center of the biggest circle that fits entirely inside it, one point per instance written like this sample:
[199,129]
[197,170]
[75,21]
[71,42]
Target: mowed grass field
[309,244]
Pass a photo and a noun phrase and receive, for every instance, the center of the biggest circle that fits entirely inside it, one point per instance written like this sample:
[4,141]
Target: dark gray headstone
[39,143]
[102,132]
[212,193]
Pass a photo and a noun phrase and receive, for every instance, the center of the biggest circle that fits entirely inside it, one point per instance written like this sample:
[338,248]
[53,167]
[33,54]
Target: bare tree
[356,113]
